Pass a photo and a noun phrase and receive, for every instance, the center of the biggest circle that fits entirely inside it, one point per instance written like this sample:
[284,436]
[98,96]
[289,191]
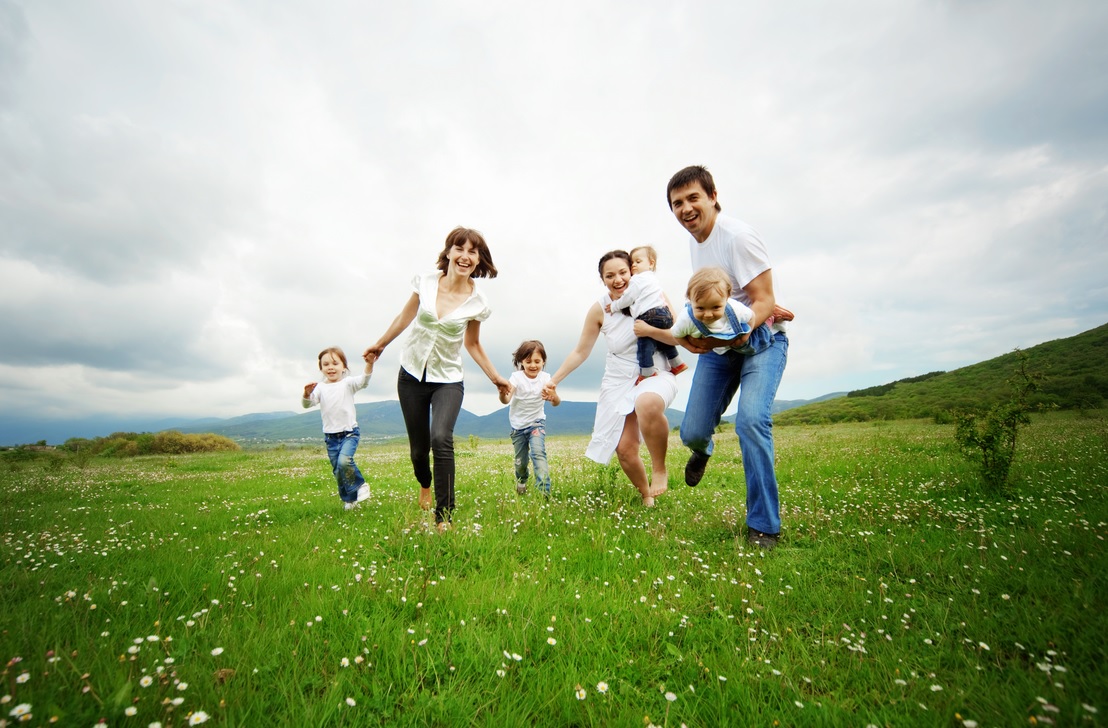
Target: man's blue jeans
[341,447]
[532,439]
[717,378]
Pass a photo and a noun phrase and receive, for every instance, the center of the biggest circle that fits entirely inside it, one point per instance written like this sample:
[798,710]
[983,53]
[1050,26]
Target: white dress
[618,391]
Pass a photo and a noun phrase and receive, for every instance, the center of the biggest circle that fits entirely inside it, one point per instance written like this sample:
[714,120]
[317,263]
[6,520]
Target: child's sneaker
[363,492]
[641,377]
[521,488]
[679,368]
[349,505]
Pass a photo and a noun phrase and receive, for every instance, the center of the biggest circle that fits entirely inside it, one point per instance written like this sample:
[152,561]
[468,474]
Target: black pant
[430,410]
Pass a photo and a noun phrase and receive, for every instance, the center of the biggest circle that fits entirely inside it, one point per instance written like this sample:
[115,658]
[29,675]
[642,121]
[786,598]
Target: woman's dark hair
[621,254]
[526,349]
[459,236]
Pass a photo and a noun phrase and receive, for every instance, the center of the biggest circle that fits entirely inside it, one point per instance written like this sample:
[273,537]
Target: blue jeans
[341,447]
[430,411]
[717,378]
[659,318]
[532,438]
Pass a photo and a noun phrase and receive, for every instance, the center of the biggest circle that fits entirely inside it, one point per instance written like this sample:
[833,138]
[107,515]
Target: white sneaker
[521,488]
[349,506]
[363,492]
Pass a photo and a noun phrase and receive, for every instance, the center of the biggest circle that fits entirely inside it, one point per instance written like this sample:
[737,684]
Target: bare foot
[425,498]
[659,484]
[648,501]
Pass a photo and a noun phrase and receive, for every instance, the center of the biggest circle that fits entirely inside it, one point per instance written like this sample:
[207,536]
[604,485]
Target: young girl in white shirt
[335,397]
[527,413]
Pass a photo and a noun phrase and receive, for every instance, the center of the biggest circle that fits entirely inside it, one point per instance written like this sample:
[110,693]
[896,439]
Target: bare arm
[589,334]
[643,329]
[762,301]
[506,394]
[405,317]
[473,346]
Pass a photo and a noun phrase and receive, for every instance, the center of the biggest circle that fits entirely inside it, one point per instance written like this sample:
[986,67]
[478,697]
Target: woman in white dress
[627,414]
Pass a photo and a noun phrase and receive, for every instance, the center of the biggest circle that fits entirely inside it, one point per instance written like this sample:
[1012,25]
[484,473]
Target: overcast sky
[198,196]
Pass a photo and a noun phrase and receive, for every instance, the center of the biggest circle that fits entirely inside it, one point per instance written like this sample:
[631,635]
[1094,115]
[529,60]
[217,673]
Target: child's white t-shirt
[527,405]
[683,325]
[643,292]
[336,402]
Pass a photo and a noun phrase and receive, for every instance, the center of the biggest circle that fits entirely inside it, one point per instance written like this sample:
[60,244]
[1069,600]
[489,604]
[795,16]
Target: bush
[990,437]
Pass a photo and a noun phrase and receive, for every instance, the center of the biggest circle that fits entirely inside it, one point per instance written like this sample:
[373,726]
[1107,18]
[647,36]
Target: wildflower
[516,657]
[152,638]
[671,697]
[146,681]
[580,692]
[351,702]
[155,724]
[23,677]
[345,662]
[177,701]
[602,687]
[21,710]
[722,678]
[983,646]
[183,686]
[198,717]
[133,649]
[969,723]
[500,673]
[1088,707]
[130,710]
[936,688]
[551,641]
[217,652]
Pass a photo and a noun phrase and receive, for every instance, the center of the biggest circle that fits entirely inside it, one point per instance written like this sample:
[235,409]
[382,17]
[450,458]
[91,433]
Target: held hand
[548,392]
[375,351]
[502,386]
[308,389]
[643,329]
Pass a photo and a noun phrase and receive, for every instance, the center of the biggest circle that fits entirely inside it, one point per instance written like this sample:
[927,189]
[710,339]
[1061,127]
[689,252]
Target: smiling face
[709,306]
[463,259]
[532,365]
[615,274]
[332,366]
[695,209]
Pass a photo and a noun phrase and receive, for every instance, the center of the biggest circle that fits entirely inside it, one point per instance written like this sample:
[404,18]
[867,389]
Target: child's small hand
[308,389]
[607,308]
[548,392]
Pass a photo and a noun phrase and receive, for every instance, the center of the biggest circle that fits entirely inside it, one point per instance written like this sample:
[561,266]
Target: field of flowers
[232,589]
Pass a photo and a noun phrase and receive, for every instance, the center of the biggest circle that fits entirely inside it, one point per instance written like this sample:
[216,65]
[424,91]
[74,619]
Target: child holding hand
[527,413]
[335,397]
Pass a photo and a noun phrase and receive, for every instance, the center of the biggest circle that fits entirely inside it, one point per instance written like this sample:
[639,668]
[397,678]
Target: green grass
[899,595]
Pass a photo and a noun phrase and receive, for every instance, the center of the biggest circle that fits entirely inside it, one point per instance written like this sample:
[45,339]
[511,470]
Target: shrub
[990,437]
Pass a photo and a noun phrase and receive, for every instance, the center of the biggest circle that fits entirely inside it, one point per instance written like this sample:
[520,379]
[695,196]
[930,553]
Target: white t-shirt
[683,325]
[643,292]
[738,249]
[336,402]
[527,406]
[434,346]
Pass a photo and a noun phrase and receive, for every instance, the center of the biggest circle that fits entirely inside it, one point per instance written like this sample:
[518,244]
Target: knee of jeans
[752,423]
[441,444]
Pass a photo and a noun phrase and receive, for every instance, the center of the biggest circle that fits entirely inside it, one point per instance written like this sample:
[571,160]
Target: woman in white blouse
[627,414]
[447,308]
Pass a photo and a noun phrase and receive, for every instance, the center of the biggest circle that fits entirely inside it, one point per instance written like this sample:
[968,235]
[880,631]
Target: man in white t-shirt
[721,241]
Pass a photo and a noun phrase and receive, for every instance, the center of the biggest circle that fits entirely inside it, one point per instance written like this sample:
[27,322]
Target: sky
[197,196]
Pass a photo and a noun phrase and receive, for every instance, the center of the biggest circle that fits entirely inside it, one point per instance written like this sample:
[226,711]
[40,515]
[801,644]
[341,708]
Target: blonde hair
[651,254]
[709,280]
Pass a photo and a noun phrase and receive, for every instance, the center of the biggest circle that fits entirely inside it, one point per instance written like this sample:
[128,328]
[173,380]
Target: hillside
[1076,377]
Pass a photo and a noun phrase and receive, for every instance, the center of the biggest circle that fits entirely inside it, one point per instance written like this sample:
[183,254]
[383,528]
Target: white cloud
[197,198]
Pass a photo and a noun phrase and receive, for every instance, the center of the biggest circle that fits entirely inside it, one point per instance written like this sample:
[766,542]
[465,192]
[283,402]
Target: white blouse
[434,346]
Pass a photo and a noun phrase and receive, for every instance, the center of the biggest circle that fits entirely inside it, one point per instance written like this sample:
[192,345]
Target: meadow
[232,589]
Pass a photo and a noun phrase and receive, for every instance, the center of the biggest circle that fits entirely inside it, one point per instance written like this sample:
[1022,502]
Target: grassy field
[232,589]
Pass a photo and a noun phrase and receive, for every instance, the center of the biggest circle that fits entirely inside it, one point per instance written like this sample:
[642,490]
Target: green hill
[1076,377]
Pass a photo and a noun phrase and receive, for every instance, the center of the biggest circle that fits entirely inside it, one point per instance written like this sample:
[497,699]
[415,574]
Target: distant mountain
[379,420]
[1074,369]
